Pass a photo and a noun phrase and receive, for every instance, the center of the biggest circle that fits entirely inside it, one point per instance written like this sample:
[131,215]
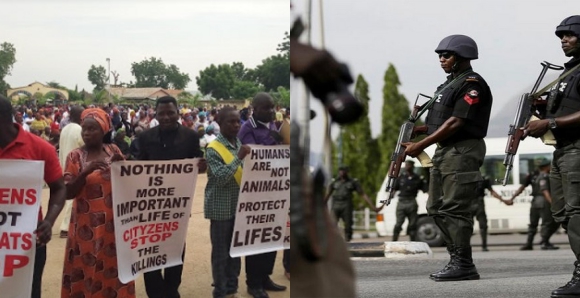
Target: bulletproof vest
[564,100]
[408,188]
[343,190]
[536,187]
[443,109]
[481,186]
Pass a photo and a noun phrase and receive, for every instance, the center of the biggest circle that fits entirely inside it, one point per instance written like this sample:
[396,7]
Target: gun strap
[539,93]
[430,103]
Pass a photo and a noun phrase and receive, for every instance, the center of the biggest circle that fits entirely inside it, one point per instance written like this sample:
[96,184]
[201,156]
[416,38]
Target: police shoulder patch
[472,79]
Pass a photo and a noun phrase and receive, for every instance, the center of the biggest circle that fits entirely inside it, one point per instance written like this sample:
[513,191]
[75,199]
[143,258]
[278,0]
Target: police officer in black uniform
[457,123]
[541,203]
[479,208]
[563,119]
[408,185]
[341,190]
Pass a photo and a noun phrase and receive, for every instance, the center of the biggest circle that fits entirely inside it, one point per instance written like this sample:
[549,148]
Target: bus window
[494,169]
[527,163]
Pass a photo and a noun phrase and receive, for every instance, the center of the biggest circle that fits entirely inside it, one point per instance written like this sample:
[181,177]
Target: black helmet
[462,45]
[569,24]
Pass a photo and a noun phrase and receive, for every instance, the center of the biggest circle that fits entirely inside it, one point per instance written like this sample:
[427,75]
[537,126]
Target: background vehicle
[500,217]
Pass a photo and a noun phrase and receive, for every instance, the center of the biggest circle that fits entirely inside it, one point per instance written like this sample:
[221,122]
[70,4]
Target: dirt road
[197,277]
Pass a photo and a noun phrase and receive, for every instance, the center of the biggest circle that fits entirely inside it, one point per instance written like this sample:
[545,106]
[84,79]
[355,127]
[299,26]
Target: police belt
[563,143]
[406,199]
[449,142]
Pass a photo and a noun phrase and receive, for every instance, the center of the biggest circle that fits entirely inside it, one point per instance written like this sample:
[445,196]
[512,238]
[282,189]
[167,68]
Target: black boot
[484,240]
[572,288]
[461,269]
[530,243]
[451,252]
[546,245]
[395,237]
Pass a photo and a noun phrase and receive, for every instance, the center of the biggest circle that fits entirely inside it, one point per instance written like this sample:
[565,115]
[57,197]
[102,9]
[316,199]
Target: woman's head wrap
[100,116]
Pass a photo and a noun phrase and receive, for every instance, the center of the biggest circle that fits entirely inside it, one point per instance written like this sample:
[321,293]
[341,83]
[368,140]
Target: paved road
[505,272]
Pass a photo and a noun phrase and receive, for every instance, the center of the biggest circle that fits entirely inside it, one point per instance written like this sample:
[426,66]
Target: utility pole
[109,78]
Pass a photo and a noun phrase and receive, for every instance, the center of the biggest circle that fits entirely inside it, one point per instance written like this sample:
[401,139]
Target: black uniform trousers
[452,189]
[344,212]
[164,283]
[258,269]
[565,191]
[407,208]
[549,226]
[479,214]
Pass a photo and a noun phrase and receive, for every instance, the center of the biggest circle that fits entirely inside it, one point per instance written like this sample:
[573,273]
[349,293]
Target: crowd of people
[87,139]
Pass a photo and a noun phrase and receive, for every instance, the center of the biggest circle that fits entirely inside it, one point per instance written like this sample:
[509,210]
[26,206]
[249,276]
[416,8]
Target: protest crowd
[80,145]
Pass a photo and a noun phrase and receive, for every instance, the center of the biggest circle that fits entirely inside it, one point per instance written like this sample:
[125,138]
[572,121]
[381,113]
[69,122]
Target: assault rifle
[530,108]
[407,133]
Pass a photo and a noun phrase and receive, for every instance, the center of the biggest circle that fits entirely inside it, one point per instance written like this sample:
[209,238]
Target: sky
[513,37]
[60,40]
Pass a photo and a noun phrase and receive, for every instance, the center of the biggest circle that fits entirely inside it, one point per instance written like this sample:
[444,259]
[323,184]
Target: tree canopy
[97,75]
[7,60]
[357,149]
[153,72]
[225,81]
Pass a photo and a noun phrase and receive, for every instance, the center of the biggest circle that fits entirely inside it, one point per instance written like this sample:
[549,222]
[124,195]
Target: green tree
[395,112]
[98,77]
[56,85]
[100,97]
[74,95]
[245,89]
[273,72]
[153,72]
[7,60]
[359,150]
[281,97]
[188,98]
[217,81]
[284,47]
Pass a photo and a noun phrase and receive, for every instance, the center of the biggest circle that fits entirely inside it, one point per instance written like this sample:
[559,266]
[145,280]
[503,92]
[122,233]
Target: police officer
[408,185]
[562,118]
[541,203]
[479,208]
[341,190]
[457,122]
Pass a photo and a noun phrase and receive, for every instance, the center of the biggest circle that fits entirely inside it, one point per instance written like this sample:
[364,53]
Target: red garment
[90,263]
[31,147]
[54,127]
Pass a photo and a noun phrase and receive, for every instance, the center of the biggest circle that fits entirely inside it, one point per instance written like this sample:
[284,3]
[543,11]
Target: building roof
[142,93]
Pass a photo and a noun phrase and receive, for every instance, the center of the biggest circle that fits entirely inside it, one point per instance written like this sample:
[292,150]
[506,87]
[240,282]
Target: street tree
[98,76]
[395,112]
[153,72]
[358,149]
[7,60]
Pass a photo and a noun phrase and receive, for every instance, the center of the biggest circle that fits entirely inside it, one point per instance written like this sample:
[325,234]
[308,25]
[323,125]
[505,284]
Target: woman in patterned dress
[90,265]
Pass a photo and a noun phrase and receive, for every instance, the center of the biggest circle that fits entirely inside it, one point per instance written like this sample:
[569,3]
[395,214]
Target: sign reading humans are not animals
[261,223]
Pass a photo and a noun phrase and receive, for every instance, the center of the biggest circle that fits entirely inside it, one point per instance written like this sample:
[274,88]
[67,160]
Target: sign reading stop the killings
[151,203]
[20,195]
